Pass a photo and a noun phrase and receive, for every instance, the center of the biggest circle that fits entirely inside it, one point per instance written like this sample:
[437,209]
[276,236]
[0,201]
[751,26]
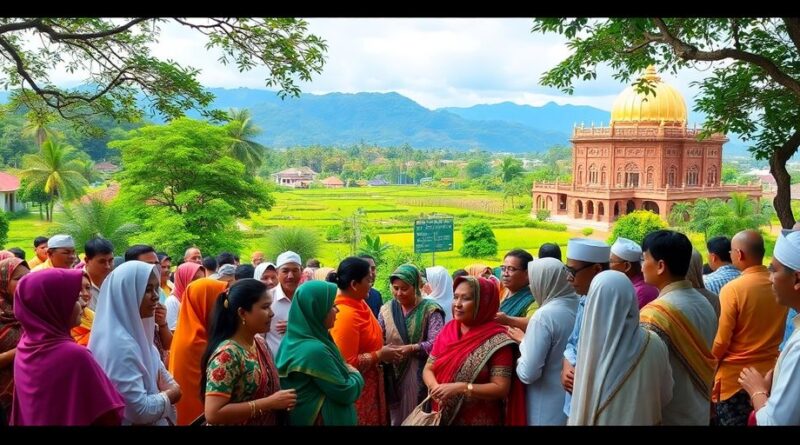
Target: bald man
[257,258]
[751,326]
[193,255]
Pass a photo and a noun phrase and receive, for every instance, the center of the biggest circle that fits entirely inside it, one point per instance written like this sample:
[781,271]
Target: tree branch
[58,36]
[19,26]
[793,29]
[690,52]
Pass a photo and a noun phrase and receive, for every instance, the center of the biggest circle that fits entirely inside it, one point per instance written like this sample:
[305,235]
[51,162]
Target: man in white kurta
[288,267]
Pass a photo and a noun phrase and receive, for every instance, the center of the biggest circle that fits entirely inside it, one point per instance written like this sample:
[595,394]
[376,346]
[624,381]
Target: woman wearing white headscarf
[539,365]
[270,278]
[623,375]
[122,343]
[441,289]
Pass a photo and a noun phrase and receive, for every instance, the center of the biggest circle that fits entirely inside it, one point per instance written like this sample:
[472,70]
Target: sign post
[433,235]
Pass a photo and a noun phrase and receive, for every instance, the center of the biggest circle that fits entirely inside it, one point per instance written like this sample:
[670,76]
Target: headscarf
[261,268]
[610,342]
[451,351]
[4,255]
[322,273]
[409,274]
[7,268]
[695,276]
[121,340]
[441,289]
[308,348]
[548,280]
[189,344]
[57,382]
[10,331]
[183,276]
[478,270]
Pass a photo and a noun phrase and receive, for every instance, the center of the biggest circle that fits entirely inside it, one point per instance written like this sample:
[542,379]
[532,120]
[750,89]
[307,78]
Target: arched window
[672,174]
[712,175]
[693,176]
[650,176]
[592,174]
[603,175]
[631,175]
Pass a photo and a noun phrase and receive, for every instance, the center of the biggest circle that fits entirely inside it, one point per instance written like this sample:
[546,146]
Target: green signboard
[433,235]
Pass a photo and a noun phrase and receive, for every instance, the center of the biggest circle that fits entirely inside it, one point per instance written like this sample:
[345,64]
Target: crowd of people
[621,334]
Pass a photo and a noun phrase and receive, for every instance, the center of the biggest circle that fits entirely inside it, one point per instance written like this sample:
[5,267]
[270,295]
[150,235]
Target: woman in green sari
[309,361]
[413,323]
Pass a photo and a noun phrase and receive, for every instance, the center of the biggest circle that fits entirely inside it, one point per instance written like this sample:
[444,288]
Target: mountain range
[391,119]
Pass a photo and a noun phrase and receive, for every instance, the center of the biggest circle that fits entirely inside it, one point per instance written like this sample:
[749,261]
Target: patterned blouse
[243,375]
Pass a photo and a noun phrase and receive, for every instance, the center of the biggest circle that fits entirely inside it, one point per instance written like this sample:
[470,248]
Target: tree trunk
[777,166]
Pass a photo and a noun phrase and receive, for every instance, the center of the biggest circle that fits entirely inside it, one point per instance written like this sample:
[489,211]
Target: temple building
[647,158]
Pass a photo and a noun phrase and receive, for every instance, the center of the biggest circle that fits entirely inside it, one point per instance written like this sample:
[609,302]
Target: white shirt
[539,366]
[783,405]
[173,310]
[280,307]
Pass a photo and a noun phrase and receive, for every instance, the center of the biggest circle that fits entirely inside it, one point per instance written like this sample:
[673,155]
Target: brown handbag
[419,417]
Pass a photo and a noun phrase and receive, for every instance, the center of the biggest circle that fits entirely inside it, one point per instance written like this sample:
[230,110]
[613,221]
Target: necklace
[251,348]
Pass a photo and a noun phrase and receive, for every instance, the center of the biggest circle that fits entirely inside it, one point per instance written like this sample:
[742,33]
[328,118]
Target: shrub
[305,242]
[636,225]
[587,231]
[543,214]
[479,240]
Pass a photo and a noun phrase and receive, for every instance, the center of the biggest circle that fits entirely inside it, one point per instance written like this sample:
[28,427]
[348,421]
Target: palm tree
[93,217]
[54,171]
[679,214]
[37,126]
[243,148]
[510,168]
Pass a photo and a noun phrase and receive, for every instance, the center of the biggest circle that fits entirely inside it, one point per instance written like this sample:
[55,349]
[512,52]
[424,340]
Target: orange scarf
[356,330]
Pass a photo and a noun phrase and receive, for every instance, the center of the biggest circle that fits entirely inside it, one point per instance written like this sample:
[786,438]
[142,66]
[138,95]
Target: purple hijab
[56,381]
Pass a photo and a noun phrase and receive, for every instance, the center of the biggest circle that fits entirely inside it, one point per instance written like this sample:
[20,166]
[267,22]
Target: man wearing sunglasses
[585,259]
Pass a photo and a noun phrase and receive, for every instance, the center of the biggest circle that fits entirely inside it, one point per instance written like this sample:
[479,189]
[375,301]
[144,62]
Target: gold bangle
[766,394]
[469,390]
[252,408]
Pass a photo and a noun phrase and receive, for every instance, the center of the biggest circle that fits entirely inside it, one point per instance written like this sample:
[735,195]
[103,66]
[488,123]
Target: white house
[295,177]
[9,188]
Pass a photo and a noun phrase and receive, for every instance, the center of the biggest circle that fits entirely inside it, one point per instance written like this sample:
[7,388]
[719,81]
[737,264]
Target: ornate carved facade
[646,158]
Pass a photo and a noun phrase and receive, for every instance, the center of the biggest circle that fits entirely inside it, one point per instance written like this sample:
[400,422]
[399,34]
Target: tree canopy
[115,59]
[752,85]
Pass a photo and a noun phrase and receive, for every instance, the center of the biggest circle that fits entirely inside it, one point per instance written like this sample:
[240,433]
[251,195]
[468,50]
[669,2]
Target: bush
[333,233]
[545,225]
[636,225]
[479,240]
[305,242]
[3,229]
[543,214]
[587,231]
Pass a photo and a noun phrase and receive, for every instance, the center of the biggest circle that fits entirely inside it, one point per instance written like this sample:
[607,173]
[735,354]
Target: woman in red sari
[11,271]
[469,371]
[359,338]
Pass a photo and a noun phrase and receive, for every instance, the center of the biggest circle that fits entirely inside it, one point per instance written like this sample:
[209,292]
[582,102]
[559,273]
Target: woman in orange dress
[358,336]
[189,344]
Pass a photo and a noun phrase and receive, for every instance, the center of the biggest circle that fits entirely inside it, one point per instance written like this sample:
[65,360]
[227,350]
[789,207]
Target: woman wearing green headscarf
[309,361]
[413,323]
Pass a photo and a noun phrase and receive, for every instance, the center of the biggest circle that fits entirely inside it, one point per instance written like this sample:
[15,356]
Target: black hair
[97,246]
[366,256]
[522,255]
[673,248]
[244,271]
[225,258]
[19,253]
[163,256]
[225,320]
[313,262]
[210,264]
[721,247]
[135,251]
[460,273]
[39,240]
[550,250]
[350,269]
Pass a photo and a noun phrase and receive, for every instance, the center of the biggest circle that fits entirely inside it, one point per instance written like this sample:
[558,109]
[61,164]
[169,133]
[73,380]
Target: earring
[243,322]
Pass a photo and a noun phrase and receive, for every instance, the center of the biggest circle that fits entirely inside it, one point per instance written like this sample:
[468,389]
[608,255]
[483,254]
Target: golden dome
[666,106]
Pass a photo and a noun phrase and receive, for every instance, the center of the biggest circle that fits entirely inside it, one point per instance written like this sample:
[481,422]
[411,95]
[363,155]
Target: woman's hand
[753,382]
[390,354]
[351,368]
[516,334]
[283,399]
[444,391]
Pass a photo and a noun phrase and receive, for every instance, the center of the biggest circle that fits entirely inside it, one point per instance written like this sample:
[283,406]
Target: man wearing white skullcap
[60,253]
[685,321]
[626,257]
[289,270]
[776,396]
[585,259]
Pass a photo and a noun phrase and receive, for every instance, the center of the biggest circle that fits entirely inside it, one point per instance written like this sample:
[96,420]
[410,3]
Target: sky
[456,62]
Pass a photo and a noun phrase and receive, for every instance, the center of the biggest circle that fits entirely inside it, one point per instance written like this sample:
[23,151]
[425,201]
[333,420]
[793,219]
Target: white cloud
[436,62]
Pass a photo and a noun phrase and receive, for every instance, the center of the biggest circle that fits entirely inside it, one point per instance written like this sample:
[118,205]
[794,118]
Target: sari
[81,333]
[57,382]
[478,270]
[241,375]
[189,344]
[405,388]
[10,333]
[358,336]
[485,350]
[309,361]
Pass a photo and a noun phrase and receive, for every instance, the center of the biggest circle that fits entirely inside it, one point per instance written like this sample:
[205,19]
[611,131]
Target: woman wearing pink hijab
[57,381]
[184,274]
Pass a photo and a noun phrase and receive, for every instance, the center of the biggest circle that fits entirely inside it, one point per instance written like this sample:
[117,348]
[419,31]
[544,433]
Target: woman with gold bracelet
[359,338]
[239,380]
